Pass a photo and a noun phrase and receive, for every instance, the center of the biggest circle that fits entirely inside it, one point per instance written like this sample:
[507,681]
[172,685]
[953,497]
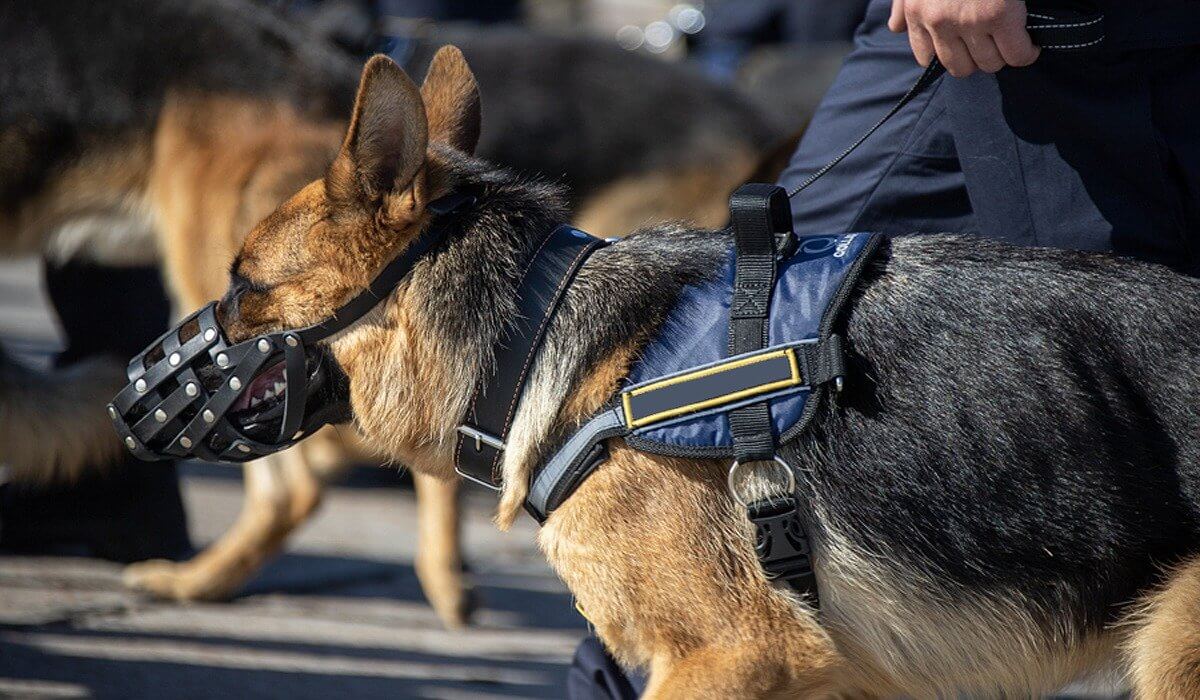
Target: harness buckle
[481,438]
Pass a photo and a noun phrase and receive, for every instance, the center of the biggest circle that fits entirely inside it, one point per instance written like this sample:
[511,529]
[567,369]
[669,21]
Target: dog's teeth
[254,402]
[279,386]
[268,394]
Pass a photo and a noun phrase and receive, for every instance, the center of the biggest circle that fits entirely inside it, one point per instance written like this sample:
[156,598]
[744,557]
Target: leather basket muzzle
[183,386]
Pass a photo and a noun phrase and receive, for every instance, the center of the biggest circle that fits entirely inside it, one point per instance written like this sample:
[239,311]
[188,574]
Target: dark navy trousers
[1096,150]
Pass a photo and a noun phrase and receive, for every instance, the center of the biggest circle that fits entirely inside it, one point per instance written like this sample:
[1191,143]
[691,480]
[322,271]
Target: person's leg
[906,177]
[127,511]
[595,675]
[1085,151]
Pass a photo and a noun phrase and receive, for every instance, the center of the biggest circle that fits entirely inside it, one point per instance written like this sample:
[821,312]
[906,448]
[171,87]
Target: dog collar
[481,440]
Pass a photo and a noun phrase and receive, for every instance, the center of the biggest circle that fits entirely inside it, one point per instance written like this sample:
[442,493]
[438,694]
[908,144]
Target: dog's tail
[53,425]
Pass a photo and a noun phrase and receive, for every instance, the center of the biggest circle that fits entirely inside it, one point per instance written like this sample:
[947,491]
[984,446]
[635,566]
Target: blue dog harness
[738,367]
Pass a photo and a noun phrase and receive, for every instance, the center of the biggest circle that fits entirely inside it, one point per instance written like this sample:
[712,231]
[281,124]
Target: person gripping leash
[1091,149]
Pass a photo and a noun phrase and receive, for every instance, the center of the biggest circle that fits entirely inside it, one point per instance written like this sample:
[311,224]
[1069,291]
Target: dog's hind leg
[1163,652]
[439,558]
[282,491]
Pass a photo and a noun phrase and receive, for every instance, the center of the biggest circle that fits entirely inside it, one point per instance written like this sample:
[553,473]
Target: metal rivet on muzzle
[131,443]
[174,359]
[191,389]
[112,412]
[208,416]
[185,443]
[264,345]
[222,360]
[292,340]
[160,416]
[235,384]
[140,385]
[243,448]
[210,335]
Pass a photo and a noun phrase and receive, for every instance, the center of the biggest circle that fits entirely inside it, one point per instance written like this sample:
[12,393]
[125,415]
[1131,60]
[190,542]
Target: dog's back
[1022,416]
[81,76]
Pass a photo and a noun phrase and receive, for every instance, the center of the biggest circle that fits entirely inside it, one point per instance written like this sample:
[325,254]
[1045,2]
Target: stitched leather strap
[480,444]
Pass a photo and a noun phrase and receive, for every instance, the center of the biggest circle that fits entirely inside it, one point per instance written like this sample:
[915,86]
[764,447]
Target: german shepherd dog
[1004,498]
[132,130]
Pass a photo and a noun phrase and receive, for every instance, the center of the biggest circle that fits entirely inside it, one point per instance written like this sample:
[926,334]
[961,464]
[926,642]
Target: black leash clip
[782,544]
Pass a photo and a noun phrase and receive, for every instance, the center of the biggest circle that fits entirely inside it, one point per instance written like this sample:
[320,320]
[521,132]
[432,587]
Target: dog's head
[327,243]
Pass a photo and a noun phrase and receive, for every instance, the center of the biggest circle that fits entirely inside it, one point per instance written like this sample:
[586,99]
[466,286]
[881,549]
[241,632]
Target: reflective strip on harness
[726,382]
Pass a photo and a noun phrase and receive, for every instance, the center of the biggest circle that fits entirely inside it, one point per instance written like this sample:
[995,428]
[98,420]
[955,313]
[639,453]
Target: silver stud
[210,335]
[292,340]
[174,359]
[185,442]
[264,345]
[112,412]
[235,384]
[191,389]
[244,448]
[222,360]
[131,443]
[208,416]
[140,385]
[160,416]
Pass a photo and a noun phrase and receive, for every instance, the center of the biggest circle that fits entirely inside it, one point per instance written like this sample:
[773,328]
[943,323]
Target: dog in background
[1005,496]
[133,130]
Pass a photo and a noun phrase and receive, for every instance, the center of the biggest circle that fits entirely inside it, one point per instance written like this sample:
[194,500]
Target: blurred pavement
[340,614]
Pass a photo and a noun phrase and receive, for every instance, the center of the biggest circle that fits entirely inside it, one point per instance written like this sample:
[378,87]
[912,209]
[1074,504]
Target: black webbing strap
[548,275]
[758,212]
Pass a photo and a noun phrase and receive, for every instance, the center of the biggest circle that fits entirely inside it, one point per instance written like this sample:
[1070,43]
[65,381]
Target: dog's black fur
[76,74]
[1018,421]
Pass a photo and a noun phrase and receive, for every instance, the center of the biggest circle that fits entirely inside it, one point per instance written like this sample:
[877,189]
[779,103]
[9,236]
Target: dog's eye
[240,284]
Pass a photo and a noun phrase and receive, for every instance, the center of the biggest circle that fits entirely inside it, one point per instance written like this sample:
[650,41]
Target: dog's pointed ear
[386,140]
[451,97]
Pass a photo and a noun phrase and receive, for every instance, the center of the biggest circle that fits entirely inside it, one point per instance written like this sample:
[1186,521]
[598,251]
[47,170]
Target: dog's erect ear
[385,143]
[452,100]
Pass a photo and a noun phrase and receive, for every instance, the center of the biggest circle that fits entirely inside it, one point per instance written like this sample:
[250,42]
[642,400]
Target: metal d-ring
[791,477]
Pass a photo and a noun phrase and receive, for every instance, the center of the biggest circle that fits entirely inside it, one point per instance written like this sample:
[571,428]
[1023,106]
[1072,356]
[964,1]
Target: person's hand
[966,35]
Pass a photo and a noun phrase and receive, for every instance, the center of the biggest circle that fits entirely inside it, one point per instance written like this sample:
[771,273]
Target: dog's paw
[169,580]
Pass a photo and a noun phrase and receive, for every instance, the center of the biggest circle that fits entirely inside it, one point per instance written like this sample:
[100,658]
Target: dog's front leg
[281,492]
[439,557]
[661,561]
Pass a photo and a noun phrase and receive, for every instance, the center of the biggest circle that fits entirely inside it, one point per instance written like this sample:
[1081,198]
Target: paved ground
[340,613]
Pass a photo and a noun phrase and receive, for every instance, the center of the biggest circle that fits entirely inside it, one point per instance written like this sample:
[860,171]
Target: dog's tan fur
[653,548]
[185,192]
[34,407]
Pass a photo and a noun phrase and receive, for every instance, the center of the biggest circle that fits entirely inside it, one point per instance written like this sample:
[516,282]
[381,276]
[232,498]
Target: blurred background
[646,109]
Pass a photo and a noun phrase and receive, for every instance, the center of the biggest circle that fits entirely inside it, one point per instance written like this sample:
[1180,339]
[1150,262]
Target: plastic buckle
[781,543]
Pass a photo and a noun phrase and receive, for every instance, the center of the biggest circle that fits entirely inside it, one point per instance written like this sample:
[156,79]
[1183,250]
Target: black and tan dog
[132,130]
[1005,497]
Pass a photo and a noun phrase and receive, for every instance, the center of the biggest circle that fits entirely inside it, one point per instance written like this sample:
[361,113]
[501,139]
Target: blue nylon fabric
[696,332]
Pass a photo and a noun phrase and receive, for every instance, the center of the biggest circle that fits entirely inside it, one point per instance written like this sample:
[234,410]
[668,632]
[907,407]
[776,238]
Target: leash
[1060,30]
